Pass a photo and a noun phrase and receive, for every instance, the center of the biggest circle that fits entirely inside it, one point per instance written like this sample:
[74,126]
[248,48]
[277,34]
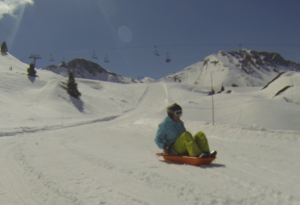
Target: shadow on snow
[78,103]
[31,78]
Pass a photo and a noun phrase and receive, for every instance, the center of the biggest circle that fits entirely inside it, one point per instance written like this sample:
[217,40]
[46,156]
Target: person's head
[174,112]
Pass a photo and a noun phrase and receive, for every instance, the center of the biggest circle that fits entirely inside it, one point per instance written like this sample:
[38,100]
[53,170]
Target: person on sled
[173,138]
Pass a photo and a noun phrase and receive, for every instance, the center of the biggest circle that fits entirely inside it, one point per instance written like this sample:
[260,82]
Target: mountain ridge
[234,69]
[83,68]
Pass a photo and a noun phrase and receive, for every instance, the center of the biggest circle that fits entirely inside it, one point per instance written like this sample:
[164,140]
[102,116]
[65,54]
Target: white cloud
[10,6]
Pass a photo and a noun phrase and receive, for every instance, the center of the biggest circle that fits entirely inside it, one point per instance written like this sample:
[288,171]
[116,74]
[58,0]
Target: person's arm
[183,126]
[160,137]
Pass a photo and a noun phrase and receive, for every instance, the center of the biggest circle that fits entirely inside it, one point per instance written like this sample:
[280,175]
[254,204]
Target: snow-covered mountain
[235,68]
[147,80]
[99,149]
[87,69]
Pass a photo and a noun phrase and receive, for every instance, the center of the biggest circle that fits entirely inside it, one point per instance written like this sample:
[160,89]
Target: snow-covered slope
[100,149]
[86,69]
[30,103]
[236,68]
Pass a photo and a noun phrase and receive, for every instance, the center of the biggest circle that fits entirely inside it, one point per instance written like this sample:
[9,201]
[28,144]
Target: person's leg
[186,143]
[201,141]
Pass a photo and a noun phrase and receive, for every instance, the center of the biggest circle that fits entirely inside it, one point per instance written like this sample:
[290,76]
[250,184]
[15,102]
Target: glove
[167,149]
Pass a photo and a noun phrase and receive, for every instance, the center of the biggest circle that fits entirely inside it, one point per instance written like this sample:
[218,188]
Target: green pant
[187,144]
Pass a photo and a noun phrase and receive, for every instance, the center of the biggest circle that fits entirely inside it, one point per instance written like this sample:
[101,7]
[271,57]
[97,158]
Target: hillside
[36,97]
[34,103]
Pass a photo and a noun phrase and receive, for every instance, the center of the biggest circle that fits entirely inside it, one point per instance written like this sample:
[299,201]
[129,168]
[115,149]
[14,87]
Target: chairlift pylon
[106,59]
[168,59]
[94,55]
[155,51]
[35,57]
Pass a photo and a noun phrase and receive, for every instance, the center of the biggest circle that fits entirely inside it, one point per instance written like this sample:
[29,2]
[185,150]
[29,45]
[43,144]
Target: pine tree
[72,86]
[30,70]
[4,48]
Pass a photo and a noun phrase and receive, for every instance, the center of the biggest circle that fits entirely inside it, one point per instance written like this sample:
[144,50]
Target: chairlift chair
[168,59]
[94,55]
[106,59]
[155,51]
[51,58]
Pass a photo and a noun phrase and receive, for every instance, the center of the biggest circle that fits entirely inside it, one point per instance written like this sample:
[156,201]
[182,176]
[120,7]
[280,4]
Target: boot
[204,155]
[213,154]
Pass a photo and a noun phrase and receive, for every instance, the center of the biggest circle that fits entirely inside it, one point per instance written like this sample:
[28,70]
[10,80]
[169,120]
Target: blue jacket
[168,132]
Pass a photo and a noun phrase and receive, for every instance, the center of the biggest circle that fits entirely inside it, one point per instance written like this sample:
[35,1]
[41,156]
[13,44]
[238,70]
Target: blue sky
[127,31]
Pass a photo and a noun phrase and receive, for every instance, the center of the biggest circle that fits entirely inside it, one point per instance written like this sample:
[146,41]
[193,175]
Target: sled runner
[186,159]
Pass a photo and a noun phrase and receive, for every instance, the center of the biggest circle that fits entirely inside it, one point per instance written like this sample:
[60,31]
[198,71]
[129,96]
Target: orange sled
[186,159]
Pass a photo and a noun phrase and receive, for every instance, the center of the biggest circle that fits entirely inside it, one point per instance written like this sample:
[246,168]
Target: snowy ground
[101,150]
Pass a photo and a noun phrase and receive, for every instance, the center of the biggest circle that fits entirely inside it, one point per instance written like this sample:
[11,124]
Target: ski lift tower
[34,58]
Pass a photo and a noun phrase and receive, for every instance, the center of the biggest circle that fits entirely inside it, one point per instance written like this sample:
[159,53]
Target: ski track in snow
[92,164]
[23,130]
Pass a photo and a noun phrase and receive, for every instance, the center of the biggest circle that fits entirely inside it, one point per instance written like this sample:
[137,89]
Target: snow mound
[287,86]
[147,80]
